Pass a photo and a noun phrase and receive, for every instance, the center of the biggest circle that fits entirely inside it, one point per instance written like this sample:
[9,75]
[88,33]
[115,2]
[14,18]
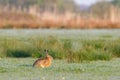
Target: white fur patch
[42,66]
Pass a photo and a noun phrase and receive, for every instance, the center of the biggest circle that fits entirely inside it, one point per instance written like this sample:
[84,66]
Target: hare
[44,62]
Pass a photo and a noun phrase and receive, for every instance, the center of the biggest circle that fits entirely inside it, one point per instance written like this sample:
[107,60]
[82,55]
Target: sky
[86,2]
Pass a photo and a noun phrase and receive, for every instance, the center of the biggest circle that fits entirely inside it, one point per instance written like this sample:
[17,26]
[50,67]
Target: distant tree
[100,8]
[116,2]
[51,5]
[59,5]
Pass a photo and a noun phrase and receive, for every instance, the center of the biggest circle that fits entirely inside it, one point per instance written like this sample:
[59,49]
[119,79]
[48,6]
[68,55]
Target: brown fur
[43,62]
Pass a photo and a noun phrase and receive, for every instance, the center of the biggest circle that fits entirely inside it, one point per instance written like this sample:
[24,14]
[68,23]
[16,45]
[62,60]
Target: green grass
[73,45]
[21,69]
[78,54]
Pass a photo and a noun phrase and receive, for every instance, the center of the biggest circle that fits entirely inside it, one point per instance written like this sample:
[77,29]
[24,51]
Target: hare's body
[43,62]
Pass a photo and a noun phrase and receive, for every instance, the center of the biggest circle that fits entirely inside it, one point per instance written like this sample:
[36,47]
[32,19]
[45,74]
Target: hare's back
[37,62]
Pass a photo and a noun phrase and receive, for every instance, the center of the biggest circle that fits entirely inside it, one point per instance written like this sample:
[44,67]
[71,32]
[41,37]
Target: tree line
[59,5]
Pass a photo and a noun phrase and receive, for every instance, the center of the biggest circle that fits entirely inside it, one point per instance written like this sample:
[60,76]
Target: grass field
[73,45]
[21,69]
[78,54]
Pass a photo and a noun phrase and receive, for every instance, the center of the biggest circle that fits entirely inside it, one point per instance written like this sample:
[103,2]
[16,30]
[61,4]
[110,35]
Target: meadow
[78,54]
[21,69]
[72,45]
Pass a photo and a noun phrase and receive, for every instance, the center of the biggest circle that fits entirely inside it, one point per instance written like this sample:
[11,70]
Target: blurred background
[58,14]
[82,36]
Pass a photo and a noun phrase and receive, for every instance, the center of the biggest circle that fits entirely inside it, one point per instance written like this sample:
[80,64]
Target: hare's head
[46,51]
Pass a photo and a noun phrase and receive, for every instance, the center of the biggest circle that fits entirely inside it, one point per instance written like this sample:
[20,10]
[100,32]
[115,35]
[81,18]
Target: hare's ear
[45,50]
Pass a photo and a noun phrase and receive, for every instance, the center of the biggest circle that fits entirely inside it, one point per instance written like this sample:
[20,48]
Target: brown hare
[44,62]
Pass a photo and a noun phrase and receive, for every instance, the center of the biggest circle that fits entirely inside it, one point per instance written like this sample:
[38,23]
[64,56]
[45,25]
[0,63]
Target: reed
[50,20]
